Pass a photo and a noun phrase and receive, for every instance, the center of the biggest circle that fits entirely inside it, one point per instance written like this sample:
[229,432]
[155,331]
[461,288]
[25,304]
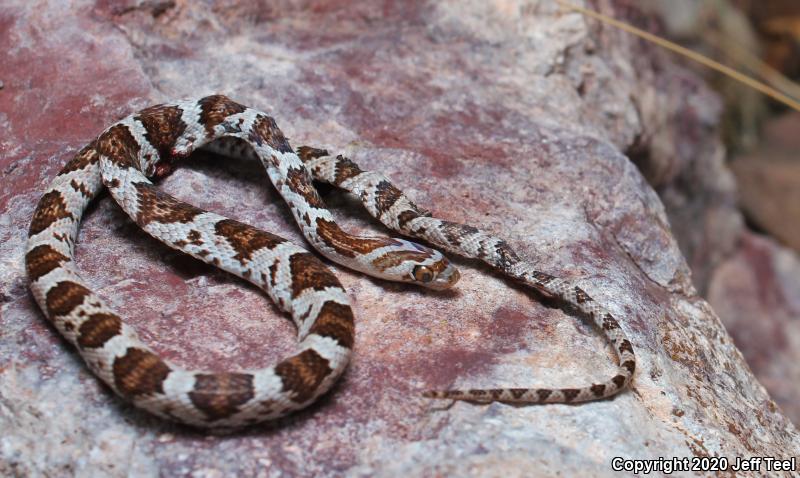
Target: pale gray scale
[390,217]
[121,183]
[323,169]
[194,132]
[430,229]
[364,186]
[481,245]
[63,228]
[238,125]
[88,177]
[279,291]
[148,155]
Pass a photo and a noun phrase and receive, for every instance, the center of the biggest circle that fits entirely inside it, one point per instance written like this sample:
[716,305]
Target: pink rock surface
[757,294]
[680,153]
[769,181]
[506,116]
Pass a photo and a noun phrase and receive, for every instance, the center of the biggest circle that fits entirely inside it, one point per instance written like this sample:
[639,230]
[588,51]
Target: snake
[148,144]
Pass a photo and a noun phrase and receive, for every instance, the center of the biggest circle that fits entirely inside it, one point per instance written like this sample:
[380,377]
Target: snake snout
[446,279]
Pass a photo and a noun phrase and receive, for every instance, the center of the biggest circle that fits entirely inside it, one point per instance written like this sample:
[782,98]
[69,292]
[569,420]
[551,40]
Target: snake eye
[423,273]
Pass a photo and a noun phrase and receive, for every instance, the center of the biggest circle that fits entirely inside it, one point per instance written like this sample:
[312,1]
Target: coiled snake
[146,144]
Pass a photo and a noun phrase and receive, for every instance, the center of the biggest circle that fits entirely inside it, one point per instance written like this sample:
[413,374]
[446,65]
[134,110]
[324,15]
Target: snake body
[146,144]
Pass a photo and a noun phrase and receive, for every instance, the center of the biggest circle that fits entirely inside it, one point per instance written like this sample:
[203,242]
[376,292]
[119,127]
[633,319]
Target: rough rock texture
[757,289]
[508,115]
[680,153]
[757,292]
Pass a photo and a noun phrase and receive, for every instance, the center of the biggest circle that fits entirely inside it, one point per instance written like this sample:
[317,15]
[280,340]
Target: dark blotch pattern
[214,109]
[570,394]
[81,188]
[163,125]
[543,393]
[542,278]
[405,216]
[98,329]
[42,259]
[598,390]
[455,232]
[139,372]
[273,274]
[64,297]
[156,206]
[298,181]
[409,214]
[517,392]
[618,380]
[609,323]
[335,321]
[50,209]
[194,238]
[308,272]
[245,239]
[307,153]
[220,395]
[385,196]
[505,255]
[265,130]
[119,146]
[629,365]
[345,169]
[625,346]
[302,374]
[86,156]
[581,296]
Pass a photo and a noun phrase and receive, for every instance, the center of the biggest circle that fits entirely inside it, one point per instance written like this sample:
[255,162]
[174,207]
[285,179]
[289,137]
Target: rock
[681,155]
[741,274]
[757,294]
[510,117]
[769,181]
[680,152]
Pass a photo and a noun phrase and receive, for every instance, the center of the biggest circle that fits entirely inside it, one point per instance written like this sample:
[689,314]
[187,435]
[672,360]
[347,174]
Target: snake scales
[146,144]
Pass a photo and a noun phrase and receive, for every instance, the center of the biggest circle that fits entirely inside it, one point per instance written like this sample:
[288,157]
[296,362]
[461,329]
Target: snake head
[439,275]
[416,264]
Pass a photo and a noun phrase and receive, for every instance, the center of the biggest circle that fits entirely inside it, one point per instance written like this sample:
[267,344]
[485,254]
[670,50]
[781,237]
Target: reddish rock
[769,181]
[681,155]
[509,117]
[757,295]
